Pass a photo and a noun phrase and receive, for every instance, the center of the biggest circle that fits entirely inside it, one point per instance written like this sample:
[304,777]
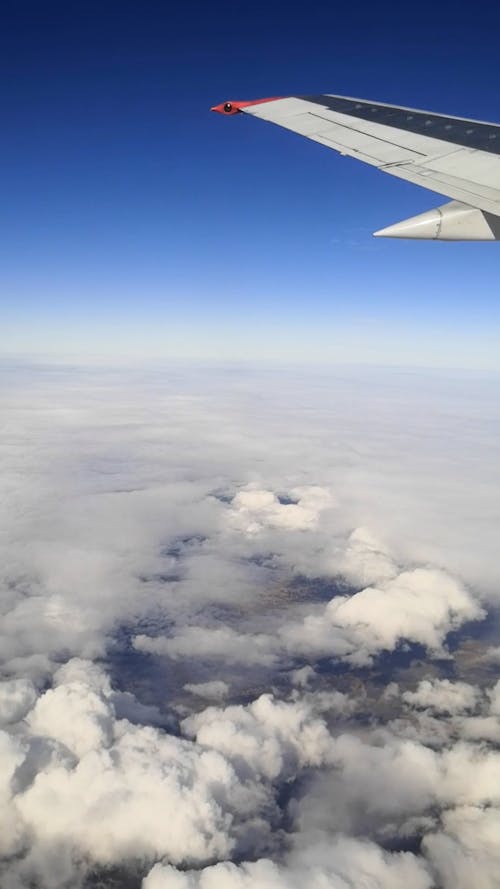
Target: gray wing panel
[467,174]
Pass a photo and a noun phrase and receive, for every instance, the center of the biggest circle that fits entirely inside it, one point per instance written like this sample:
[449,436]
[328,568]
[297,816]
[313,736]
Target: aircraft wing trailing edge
[452,156]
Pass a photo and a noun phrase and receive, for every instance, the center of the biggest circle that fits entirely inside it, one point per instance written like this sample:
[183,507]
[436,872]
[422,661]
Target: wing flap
[357,144]
[460,189]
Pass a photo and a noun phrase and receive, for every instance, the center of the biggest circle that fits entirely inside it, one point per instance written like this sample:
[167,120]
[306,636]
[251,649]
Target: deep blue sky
[134,221]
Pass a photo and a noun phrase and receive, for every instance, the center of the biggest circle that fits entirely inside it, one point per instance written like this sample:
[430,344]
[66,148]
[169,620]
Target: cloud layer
[243,641]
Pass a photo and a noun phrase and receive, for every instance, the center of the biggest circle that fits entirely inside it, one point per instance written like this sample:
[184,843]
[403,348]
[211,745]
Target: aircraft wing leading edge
[452,156]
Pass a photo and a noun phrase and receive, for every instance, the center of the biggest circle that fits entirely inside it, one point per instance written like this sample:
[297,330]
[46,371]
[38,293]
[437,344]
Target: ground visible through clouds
[250,629]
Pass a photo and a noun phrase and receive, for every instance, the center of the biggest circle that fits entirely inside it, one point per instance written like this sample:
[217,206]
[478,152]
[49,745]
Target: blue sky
[136,224]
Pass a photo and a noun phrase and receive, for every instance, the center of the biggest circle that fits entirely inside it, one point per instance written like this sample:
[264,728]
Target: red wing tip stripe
[236,107]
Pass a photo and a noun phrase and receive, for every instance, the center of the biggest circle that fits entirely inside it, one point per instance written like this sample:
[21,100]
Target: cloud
[11,758]
[443,696]
[211,583]
[76,716]
[465,852]
[420,606]
[346,863]
[253,510]
[99,797]
[111,791]
[494,696]
[273,739]
[203,642]
[215,690]
[366,559]
[492,655]
[17,696]
[107,806]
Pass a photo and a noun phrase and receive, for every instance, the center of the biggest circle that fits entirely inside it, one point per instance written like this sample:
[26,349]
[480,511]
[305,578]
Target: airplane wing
[453,156]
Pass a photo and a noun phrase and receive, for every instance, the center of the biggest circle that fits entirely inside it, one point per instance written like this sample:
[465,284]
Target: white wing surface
[453,156]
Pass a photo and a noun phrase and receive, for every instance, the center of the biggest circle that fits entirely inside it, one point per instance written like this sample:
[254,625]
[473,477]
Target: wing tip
[229,108]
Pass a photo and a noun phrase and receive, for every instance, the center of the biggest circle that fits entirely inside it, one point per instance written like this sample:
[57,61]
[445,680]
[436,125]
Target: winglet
[236,107]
